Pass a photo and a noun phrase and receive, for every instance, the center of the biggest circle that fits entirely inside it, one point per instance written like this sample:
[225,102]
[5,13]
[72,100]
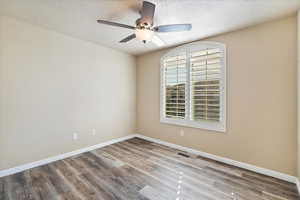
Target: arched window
[193,86]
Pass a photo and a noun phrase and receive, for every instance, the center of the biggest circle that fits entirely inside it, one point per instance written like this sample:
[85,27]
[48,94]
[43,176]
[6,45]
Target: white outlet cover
[181,132]
[75,136]
[93,131]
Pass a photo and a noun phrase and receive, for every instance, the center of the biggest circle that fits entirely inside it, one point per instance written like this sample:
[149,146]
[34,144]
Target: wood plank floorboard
[137,169]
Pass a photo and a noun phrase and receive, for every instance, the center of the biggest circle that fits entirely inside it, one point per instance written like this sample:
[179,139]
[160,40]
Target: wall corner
[298,92]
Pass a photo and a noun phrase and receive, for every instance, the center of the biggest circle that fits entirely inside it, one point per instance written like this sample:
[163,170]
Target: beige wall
[298,91]
[52,85]
[1,97]
[261,99]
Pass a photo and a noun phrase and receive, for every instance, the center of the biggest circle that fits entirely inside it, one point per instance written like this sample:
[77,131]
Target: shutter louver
[175,86]
[205,72]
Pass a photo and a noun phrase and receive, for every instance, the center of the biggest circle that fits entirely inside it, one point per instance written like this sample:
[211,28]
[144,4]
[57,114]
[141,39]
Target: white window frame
[203,124]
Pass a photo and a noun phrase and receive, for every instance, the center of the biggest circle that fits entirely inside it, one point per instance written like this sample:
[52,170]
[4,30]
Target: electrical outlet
[93,131]
[75,136]
[181,132]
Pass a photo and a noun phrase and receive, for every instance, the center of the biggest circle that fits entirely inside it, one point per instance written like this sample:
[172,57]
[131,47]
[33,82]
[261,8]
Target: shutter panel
[205,79]
[175,77]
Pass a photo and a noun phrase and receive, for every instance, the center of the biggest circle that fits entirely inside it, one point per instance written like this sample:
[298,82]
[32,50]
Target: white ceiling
[208,17]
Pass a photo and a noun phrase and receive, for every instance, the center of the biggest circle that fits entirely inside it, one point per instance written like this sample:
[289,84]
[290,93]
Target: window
[193,80]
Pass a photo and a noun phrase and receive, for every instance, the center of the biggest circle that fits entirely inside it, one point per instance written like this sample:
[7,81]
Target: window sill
[211,126]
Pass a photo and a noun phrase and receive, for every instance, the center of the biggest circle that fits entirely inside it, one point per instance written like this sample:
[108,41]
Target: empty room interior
[149,99]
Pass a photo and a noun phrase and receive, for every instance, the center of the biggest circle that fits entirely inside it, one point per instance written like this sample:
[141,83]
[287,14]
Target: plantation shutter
[205,71]
[193,86]
[175,80]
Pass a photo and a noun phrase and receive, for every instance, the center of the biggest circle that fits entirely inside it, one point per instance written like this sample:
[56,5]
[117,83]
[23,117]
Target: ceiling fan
[144,29]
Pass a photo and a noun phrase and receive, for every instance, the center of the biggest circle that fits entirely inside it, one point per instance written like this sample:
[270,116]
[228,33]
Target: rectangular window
[175,86]
[193,87]
[205,84]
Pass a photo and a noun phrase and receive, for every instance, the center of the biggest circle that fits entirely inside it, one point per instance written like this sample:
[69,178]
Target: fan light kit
[144,34]
[144,29]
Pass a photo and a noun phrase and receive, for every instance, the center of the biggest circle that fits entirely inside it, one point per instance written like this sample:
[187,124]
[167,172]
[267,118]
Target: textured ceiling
[209,17]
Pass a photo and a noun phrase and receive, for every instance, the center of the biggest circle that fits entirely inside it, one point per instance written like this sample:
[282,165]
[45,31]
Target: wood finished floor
[140,170]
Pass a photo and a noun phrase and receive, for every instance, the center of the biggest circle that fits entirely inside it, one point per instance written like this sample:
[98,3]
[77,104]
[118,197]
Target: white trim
[211,126]
[247,166]
[27,166]
[187,49]
[254,168]
[298,184]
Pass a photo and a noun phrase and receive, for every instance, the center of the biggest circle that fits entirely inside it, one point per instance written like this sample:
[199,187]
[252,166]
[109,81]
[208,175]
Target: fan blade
[115,24]
[173,28]
[157,41]
[130,37]
[122,9]
[147,13]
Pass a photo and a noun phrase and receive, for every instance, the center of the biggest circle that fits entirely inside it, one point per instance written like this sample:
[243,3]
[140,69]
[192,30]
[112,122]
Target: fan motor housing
[143,24]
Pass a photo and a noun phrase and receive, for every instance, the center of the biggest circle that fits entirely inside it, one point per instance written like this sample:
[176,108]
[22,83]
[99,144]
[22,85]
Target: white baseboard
[298,184]
[24,167]
[250,167]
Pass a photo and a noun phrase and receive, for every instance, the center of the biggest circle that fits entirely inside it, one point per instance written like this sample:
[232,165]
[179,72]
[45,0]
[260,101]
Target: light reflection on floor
[179,187]
[180,176]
